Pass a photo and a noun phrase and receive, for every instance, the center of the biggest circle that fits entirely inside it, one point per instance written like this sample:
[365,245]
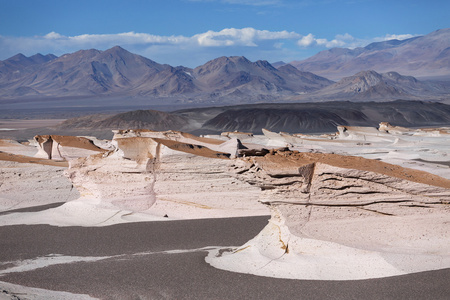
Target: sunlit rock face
[341,217]
[159,170]
[109,180]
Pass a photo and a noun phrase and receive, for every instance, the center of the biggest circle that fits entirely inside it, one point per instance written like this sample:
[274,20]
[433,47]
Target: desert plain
[359,213]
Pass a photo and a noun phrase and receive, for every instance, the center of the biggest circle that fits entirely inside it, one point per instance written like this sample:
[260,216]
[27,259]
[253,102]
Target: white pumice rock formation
[344,206]
[59,147]
[147,176]
[163,177]
[341,217]
[230,146]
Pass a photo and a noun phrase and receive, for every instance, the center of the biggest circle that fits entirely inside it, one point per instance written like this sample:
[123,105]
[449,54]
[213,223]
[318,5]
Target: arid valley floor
[361,213]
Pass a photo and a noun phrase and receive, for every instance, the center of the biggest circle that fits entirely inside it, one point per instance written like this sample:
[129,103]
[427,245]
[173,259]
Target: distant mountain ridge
[119,72]
[156,120]
[421,56]
[380,71]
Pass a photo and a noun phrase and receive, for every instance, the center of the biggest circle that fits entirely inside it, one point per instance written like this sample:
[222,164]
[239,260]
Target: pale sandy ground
[30,186]
[17,124]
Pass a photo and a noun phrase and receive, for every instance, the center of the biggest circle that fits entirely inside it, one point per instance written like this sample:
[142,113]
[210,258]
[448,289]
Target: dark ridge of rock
[139,119]
[251,118]
[276,119]
[323,117]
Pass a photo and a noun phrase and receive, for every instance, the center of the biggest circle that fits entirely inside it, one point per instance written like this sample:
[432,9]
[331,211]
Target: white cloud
[241,37]
[307,41]
[247,37]
[53,36]
[119,38]
[311,41]
[394,37]
[346,40]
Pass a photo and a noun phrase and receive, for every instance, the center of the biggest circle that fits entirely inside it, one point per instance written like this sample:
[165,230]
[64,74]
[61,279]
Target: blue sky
[191,32]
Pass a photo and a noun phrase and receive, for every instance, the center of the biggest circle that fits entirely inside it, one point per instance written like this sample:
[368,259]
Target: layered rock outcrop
[342,217]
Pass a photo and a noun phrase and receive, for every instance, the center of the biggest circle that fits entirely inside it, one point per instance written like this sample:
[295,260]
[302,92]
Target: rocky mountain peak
[39,58]
[370,77]
[265,64]
[222,63]
[17,57]
[117,51]
[360,82]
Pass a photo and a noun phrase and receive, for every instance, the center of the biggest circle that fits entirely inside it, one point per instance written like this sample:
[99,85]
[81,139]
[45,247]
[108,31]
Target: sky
[192,32]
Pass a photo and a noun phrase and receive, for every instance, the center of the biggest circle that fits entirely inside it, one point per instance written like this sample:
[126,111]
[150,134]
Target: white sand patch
[320,261]
[179,251]
[275,252]
[81,212]
[59,259]
[84,212]
[45,261]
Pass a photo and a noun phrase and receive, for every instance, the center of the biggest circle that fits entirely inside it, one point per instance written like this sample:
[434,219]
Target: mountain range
[421,56]
[375,72]
[119,72]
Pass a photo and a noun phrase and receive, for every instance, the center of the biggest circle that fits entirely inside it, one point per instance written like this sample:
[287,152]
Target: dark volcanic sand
[183,275]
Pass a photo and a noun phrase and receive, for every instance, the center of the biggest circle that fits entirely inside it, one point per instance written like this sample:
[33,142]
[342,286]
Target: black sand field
[161,275]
